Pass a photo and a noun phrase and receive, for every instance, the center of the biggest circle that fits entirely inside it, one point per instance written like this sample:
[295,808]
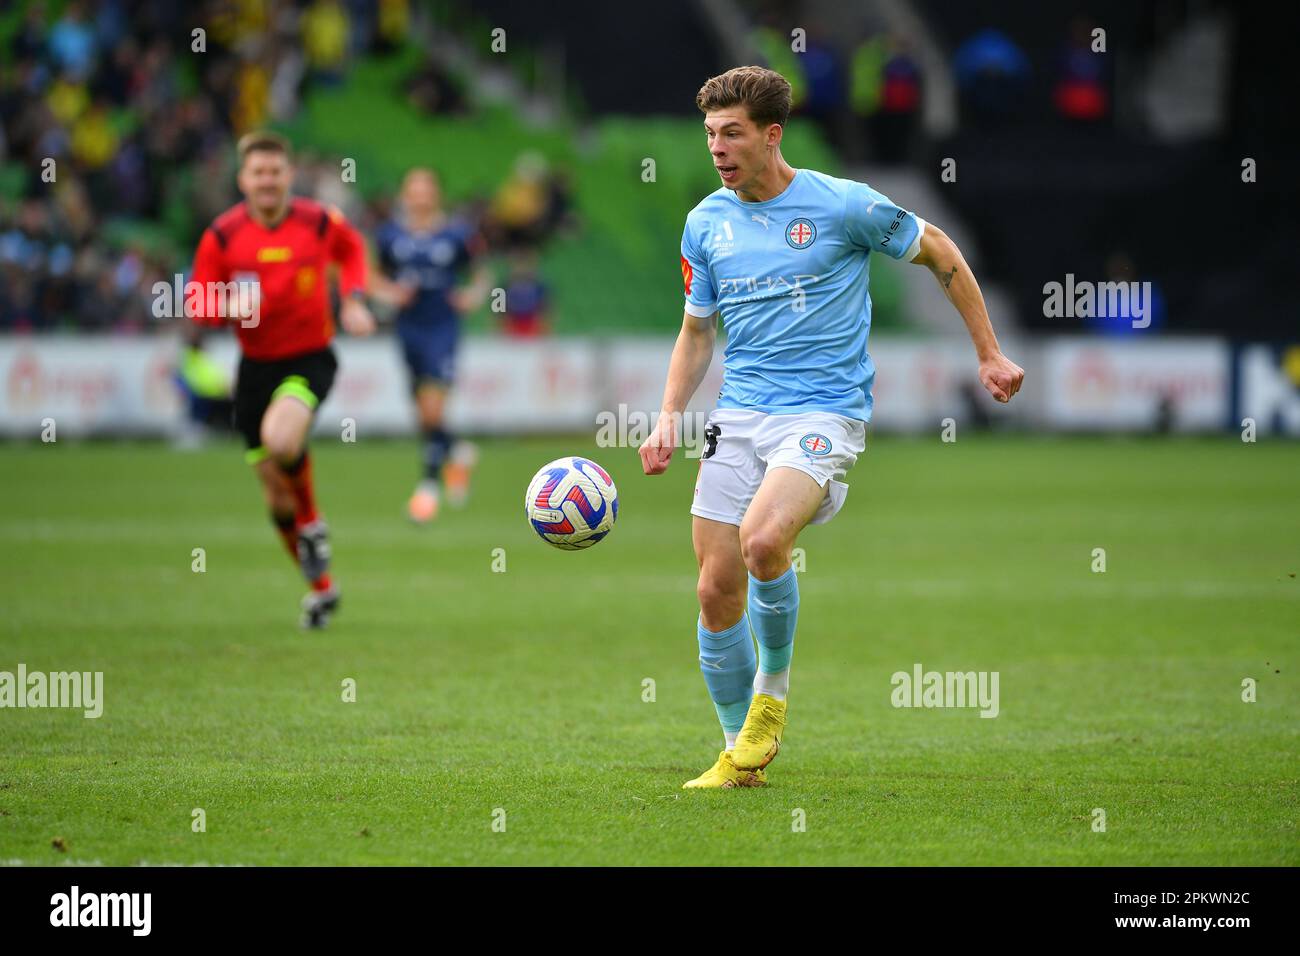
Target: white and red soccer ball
[571,503]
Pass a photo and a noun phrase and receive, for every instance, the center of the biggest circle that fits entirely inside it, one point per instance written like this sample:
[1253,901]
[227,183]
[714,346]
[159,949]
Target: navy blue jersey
[433,262]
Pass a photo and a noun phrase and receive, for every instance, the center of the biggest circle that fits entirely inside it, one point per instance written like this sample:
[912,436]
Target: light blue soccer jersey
[789,276]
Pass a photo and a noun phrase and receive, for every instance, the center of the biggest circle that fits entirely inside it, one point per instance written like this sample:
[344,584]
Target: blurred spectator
[1141,301]
[867,75]
[67,98]
[526,299]
[72,41]
[126,141]
[394,22]
[252,96]
[205,388]
[286,80]
[28,41]
[94,141]
[992,75]
[319,177]
[775,53]
[893,127]
[362,16]
[824,76]
[1080,92]
[118,146]
[326,33]
[530,206]
[434,91]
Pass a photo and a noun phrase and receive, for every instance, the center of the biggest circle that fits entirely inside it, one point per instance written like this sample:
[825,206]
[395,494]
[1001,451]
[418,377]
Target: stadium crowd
[116,137]
[117,143]
[117,146]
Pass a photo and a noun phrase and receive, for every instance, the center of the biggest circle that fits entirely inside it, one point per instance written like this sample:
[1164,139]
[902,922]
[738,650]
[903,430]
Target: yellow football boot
[724,774]
[760,738]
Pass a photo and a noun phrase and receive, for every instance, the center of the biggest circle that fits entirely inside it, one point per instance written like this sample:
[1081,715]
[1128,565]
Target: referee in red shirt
[277,249]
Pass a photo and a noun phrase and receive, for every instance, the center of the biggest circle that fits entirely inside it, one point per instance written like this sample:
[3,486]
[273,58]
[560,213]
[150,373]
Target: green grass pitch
[479,692]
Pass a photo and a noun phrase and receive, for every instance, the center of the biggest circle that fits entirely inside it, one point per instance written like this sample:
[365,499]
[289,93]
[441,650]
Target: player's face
[264,179]
[741,150]
[421,196]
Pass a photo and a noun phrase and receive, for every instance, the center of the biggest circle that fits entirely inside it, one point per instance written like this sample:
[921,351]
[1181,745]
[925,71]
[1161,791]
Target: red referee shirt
[289,262]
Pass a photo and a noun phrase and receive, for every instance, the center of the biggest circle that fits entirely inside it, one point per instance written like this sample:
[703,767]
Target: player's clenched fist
[1001,376]
[657,450]
[356,318]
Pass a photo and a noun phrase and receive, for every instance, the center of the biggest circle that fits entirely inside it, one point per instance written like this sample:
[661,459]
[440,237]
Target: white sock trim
[774,685]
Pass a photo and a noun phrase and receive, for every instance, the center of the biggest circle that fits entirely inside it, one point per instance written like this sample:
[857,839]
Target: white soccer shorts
[741,445]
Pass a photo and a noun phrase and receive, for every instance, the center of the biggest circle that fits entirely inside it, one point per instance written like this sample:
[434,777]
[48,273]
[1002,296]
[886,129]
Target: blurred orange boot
[456,473]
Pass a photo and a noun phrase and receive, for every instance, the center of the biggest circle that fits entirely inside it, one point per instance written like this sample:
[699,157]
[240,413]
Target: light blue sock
[727,663]
[774,609]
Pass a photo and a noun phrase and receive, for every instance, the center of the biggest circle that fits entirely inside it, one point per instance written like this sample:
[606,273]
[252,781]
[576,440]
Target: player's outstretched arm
[385,290]
[209,268]
[348,250]
[1001,376]
[686,370]
[472,295]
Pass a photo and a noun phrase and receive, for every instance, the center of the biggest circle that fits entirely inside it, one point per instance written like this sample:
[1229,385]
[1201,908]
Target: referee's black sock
[287,526]
[295,466]
[298,473]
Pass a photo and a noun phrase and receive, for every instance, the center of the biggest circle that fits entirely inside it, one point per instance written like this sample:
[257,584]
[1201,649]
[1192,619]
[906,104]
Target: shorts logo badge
[815,444]
[800,233]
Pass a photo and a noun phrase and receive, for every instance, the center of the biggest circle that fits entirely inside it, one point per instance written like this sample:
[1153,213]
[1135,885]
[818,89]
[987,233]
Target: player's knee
[720,603]
[431,418]
[281,445]
[764,549]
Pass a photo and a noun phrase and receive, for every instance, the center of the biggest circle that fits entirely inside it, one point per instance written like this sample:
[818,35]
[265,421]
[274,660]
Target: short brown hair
[263,141]
[764,93]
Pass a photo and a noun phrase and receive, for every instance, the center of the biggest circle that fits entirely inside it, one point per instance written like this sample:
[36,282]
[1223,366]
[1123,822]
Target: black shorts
[308,377]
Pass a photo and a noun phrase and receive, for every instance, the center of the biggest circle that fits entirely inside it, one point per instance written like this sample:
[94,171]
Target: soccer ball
[571,503]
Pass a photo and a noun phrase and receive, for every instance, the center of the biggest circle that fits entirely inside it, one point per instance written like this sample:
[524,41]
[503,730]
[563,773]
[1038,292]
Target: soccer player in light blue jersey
[782,254]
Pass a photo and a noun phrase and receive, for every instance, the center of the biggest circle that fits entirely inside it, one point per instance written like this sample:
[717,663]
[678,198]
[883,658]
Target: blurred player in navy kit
[424,256]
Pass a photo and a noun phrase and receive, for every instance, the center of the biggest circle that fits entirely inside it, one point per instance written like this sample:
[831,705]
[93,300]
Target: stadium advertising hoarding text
[108,385]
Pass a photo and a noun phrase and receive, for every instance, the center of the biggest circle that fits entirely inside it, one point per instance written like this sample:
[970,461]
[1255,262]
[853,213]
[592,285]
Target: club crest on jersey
[800,233]
[814,444]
